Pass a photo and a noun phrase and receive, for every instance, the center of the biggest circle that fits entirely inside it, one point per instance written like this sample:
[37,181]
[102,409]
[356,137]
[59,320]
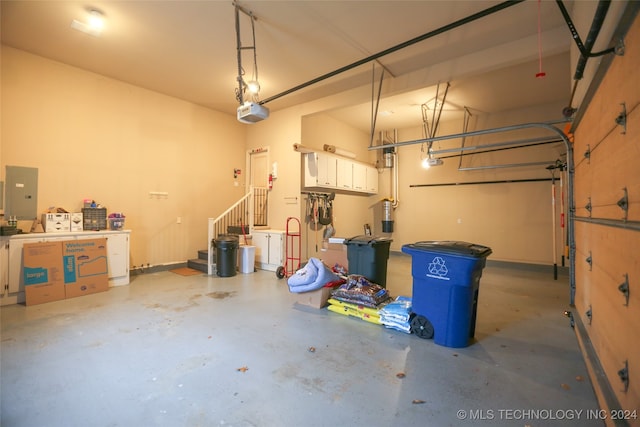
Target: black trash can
[446,280]
[226,254]
[367,256]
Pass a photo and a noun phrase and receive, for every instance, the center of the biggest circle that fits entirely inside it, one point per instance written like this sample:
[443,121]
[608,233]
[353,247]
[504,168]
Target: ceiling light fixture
[96,19]
[430,161]
[253,87]
[94,25]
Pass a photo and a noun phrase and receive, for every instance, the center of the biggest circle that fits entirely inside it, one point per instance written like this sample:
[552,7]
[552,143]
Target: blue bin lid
[449,247]
[367,240]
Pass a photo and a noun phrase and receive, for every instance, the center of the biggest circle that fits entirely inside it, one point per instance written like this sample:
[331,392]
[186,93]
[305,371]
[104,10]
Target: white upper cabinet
[323,171]
[345,174]
[319,171]
[372,180]
[359,177]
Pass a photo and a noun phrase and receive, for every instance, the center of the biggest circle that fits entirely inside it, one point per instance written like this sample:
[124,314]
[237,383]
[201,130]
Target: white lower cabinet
[4,266]
[269,248]
[12,264]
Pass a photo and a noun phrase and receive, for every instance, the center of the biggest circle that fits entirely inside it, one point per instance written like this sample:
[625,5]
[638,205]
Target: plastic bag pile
[396,314]
[359,290]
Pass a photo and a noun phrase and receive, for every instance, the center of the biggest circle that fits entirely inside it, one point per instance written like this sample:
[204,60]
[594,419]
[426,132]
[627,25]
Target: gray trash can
[246,258]
[367,256]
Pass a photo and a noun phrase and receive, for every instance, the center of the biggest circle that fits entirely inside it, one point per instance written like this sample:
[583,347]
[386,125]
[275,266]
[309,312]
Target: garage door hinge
[624,288]
[588,314]
[624,375]
[590,261]
[623,203]
[618,49]
[621,120]
[588,207]
[587,154]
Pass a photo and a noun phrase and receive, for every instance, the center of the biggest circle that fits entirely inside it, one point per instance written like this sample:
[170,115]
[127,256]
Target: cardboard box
[43,272]
[56,222]
[334,253]
[85,267]
[316,299]
[76,221]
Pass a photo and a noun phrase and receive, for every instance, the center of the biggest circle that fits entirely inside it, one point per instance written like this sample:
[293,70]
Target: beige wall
[94,137]
[514,219]
[91,136]
[350,212]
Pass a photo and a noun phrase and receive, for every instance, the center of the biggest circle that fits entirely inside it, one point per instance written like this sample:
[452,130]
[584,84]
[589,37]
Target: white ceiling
[187,49]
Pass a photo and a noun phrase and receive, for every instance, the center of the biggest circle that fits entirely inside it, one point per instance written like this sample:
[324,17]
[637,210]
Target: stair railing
[238,219]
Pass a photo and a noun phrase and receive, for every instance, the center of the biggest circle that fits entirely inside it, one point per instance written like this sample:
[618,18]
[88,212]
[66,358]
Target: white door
[259,179]
[259,165]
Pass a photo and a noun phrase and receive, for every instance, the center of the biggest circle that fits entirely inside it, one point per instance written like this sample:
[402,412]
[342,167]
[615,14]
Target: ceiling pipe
[395,173]
[441,30]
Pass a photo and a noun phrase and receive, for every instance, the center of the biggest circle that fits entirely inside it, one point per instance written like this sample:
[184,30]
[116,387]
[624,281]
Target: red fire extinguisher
[270,181]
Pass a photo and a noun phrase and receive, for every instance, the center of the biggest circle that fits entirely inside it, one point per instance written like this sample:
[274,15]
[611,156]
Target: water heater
[387,155]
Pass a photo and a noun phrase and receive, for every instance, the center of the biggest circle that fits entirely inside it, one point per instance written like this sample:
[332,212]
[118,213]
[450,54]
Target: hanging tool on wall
[325,211]
[329,231]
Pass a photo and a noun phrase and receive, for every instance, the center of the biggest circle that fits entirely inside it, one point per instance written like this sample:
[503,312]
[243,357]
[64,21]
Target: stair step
[198,264]
[203,254]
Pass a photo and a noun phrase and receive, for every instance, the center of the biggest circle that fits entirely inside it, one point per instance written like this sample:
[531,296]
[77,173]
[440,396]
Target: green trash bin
[367,256]
[226,254]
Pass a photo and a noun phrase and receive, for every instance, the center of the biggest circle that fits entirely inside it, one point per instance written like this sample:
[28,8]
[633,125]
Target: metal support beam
[398,47]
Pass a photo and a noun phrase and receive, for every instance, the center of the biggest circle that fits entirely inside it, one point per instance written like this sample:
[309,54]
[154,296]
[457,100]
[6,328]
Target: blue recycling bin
[446,280]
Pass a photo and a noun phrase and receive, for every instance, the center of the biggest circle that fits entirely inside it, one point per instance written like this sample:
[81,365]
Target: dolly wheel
[280,272]
[421,326]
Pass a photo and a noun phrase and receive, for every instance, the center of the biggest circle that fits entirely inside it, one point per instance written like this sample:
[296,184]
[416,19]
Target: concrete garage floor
[172,350]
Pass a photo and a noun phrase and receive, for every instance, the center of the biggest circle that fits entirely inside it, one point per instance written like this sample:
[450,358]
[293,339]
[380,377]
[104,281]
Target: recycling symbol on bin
[437,267]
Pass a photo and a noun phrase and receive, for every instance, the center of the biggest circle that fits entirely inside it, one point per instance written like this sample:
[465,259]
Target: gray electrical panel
[21,195]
